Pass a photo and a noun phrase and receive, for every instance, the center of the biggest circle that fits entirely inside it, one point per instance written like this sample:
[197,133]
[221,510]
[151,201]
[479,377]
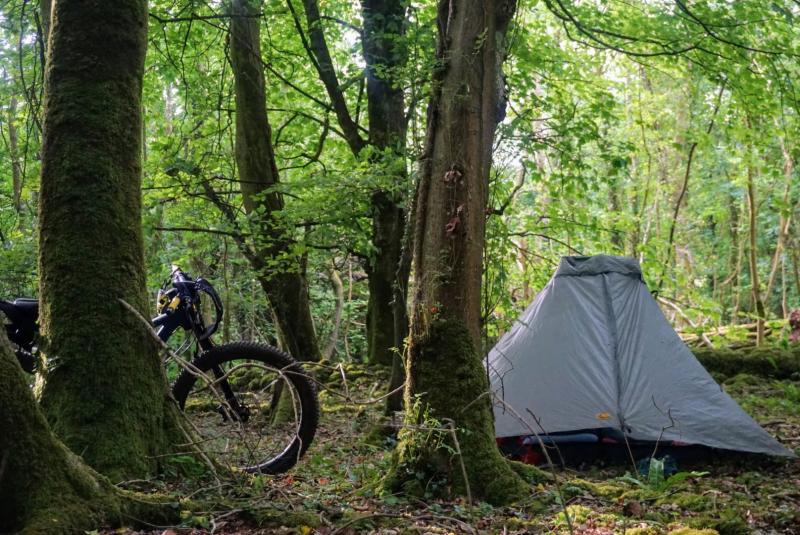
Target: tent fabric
[594,351]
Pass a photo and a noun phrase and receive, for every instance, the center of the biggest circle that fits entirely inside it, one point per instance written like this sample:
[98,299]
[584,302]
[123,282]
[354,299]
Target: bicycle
[243,387]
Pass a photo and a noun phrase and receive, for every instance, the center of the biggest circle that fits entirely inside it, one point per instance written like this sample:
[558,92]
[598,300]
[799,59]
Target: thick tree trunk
[279,273]
[385,53]
[44,487]
[446,382]
[105,393]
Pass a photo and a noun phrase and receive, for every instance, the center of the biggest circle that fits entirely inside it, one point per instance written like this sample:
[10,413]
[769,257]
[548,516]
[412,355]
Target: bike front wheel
[252,405]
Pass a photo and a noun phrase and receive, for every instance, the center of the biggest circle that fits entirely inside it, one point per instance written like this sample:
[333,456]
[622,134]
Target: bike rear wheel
[268,417]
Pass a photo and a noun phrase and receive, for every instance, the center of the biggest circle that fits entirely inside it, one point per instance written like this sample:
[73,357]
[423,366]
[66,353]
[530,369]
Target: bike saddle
[23,314]
[27,306]
[22,310]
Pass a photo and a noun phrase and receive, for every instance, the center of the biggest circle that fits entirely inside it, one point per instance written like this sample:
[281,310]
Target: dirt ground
[336,488]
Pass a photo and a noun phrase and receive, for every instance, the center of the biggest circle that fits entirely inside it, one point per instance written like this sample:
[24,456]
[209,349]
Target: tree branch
[318,52]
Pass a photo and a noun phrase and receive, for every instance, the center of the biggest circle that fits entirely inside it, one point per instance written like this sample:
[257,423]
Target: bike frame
[180,317]
[165,326]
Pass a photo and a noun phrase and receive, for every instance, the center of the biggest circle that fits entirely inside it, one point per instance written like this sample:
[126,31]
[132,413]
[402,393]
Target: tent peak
[583,266]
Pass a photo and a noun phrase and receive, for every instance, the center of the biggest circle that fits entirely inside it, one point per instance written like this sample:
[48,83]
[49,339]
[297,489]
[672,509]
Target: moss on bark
[44,487]
[105,394]
[762,361]
[447,381]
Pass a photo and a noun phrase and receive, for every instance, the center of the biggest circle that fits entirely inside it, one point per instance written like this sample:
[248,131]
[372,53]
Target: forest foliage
[659,130]
[630,129]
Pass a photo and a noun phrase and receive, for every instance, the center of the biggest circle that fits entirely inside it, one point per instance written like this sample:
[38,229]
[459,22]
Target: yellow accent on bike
[174,303]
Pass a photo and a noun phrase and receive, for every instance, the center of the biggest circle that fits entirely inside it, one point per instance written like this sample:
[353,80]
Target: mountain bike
[252,405]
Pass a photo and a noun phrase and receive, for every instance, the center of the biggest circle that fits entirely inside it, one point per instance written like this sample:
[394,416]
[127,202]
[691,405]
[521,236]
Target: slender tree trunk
[384,54]
[45,8]
[758,303]
[784,293]
[685,187]
[13,153]
[784,221]
[338,291]
[285,285]
[735,259]
[446,382]
[104,392]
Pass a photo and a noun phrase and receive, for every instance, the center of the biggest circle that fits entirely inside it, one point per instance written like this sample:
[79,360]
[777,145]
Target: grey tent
[594,351]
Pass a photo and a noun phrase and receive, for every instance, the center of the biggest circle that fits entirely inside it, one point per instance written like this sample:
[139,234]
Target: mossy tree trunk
[44,487]
[280,274]
[105,393]
[446,380]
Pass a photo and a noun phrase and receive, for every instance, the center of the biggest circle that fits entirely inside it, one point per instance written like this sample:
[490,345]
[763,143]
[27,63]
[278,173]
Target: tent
[594,351]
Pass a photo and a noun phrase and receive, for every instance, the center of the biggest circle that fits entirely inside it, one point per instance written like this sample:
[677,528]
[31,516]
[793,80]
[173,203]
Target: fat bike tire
[269,359]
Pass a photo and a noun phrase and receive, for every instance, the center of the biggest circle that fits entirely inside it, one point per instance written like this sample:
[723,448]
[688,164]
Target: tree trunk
[446,381]
[279,273]
[13,153]
[44,487]
[383,311]
[385,53]
[45,7]
[758,303]
[685,187]
[338,291]
[105,392]
[735,259]
[785,219]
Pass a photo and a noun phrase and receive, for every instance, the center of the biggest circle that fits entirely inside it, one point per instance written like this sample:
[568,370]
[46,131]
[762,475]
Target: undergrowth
[337,487]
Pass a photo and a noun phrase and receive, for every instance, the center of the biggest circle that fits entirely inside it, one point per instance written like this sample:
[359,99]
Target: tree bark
[44,487]
[45,8]
[446,382]
[758,302]
[384,53]
[279,273]
[338,291]
[105,393]
[13,153]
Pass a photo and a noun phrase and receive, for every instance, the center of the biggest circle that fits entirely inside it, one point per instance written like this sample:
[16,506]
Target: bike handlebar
[190,289]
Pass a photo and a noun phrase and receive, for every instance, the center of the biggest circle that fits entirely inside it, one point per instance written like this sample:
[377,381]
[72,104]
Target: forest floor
[336,488]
